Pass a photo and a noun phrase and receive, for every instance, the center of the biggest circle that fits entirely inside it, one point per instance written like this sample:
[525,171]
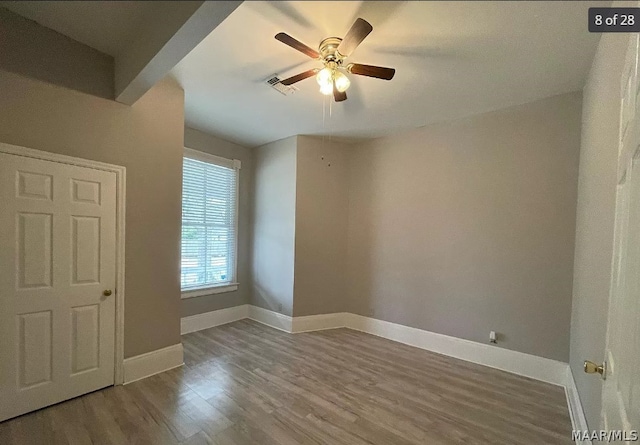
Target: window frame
[233,284]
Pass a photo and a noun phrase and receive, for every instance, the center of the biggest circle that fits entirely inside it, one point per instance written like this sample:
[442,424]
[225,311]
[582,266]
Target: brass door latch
[592,368]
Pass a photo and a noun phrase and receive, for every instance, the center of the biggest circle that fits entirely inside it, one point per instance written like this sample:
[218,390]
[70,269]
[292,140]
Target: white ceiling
[453,59]
[107,26]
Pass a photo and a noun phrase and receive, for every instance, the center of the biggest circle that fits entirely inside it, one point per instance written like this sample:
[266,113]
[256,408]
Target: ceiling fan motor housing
[328,50]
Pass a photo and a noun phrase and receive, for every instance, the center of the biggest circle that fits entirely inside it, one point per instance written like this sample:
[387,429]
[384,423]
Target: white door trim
[576,411]
[120,233]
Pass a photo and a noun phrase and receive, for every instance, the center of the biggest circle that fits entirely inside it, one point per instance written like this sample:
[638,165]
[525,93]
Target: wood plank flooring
[245,383]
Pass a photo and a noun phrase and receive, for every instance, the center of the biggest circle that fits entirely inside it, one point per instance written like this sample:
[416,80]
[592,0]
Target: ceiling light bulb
[326,89]
[342,82]
[325,77]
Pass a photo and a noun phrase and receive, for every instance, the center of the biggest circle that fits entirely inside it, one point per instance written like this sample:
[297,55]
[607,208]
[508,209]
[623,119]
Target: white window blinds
[209,221]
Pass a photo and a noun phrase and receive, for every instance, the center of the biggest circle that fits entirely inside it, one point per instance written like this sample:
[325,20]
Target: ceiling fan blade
[295,44]
[379,72]
[337,95]
[359,30]
[298,77]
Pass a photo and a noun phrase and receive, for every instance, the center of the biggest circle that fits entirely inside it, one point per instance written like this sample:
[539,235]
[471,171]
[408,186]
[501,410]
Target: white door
[57,259]
[621,387]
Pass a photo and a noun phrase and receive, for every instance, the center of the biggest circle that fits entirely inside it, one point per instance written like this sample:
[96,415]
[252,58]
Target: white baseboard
[270,318]
[289,324]
[538,368]
[320,322]
[578,419]
[211,319]
[151,363]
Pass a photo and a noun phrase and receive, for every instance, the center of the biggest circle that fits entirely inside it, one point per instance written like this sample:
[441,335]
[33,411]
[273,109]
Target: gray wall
[198,140]
[322,207]
[35,51]
[595,218]
[147,139]
[466,227]
[274,219]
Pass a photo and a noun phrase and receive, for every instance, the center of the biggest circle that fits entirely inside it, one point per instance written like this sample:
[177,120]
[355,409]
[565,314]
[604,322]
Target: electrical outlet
[493,338]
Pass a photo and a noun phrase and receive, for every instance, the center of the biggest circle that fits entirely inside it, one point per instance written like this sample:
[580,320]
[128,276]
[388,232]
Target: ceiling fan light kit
[332,52]
[342,81]
[326,78]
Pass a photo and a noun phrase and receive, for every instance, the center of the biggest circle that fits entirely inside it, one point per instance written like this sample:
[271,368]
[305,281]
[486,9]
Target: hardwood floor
[245,383]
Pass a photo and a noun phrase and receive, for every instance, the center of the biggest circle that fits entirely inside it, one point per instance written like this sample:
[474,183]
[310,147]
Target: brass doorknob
[592,368]
[107,292]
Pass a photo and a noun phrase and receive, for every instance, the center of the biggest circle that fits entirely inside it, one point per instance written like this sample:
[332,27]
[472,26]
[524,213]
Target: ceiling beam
[166,37]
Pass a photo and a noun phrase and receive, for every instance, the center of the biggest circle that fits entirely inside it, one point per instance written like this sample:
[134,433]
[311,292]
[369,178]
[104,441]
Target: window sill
[211,290]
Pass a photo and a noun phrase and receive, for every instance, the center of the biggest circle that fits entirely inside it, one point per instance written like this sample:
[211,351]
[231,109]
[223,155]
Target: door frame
[120,233]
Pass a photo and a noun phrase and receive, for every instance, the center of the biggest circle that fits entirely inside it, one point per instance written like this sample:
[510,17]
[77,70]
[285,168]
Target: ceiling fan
[332,52]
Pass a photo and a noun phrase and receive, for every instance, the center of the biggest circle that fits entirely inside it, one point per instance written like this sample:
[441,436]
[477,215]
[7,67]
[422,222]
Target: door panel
[85,261]
[58,232]
[621,389]
[34,344]
[86,191]
[34,185]
[86,338]
[35,256]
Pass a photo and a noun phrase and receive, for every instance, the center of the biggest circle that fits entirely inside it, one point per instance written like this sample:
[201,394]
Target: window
[209,224]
